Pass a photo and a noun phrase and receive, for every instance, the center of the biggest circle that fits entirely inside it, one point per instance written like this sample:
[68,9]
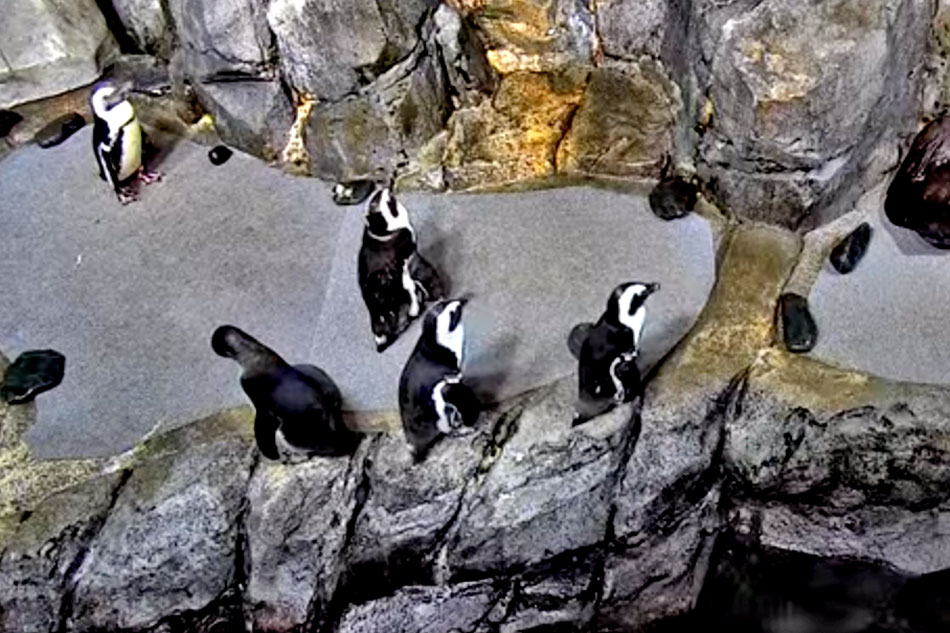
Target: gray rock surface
[630,29]
[272,254]
[169,545]
[802,95]
[223,37]
[49,47]
[252,116]
[147,24]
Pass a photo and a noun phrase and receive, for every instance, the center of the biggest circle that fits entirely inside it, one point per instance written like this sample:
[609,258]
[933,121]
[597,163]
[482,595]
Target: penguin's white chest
[131,151]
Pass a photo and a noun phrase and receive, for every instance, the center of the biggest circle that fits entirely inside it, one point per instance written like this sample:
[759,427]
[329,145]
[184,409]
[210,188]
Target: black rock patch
[8,120]
[32,373]
[798,326]
[673,198]
[59,130]
[219,155]
[848,252]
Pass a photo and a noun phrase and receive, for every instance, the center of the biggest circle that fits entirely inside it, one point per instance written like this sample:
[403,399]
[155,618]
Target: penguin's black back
[604,343]
[422,372]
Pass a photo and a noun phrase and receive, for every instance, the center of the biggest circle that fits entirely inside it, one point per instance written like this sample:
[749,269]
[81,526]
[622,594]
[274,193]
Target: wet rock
[226,37]
[330,48]
[919,196]
[147,24]
[673,198]
[219,154]
[796,115]
[799,330]
[297,526]
[51,48]
[513,136]
[169,545]
[40,563]
[59,130]
[369,134]
[31,374]
[354,192]
[848,252]
[252,116]
[622,126]
[8,120]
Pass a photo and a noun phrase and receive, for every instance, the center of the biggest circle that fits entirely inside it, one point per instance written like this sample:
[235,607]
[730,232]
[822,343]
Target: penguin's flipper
[576,338]
[332,398]
[265,432]
[428,278]
[629,376]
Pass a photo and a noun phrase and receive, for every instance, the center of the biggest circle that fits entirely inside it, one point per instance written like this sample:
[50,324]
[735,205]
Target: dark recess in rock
[353,192]
[32,373]
[924,602]
[798,326]
[219,155]
[848,252]
[919,196]
[59,130]
[673,198]
[8,120]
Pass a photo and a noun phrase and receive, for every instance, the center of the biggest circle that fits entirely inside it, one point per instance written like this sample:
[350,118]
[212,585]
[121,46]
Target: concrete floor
[132,294]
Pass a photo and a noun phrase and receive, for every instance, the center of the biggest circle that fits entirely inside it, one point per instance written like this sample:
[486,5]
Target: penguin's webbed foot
[127,195]
[149,176]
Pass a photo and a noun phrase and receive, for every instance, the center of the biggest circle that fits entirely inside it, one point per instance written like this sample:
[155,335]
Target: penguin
[607,352]
[433,400]
[298,409]
[117,141]
[395,280]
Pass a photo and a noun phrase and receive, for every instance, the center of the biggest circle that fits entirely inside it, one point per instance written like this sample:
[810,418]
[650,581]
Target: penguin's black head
[626,301]
[230,342]
[385,215]
[443,327]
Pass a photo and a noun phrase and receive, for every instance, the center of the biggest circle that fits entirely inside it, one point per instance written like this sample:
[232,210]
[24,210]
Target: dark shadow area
[126,44]
[487,372]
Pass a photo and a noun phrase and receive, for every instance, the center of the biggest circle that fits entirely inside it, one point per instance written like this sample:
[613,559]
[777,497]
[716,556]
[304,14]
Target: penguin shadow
[440,250]
[491,371]
[157,146]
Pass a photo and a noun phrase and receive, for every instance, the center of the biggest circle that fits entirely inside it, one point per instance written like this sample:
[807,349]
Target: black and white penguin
[395,280]
[298,409]
[117,140]
[607,352]
[433,400]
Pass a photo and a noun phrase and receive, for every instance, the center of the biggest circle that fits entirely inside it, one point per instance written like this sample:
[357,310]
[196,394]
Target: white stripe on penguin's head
[385,214]
[631,311]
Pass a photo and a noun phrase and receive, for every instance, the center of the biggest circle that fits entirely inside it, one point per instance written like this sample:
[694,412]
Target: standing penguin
[432,399]
[607,352]
[117,141]
[298,409]
[395,281]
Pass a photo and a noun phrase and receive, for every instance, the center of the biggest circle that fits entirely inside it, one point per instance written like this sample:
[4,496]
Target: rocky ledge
[526,524]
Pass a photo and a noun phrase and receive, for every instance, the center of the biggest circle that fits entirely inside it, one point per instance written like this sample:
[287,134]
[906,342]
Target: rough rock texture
[223,37]
[170,543]
[802,95]
[253,116]
[148,24]
[49,47]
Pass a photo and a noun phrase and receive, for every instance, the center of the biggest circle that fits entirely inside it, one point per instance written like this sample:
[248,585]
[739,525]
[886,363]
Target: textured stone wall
[785,111]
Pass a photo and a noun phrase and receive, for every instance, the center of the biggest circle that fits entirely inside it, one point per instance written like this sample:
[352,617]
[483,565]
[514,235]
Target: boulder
[50,47]
[169,544]
[628,30]
[227,37]
[622,126]
[147,24]
[252,116]
[329,49]
[368,134]
[803,94]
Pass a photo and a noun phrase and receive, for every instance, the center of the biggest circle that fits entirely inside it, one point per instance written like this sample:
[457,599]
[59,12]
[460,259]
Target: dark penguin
[433,401]
[396,282]
[607,352]
[298,408]
[117,141]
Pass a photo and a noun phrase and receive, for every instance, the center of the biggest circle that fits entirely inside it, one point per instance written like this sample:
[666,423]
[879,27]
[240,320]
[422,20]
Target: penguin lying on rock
[117,141]
[607,352]
[395,281]
[433,401]
[298,409]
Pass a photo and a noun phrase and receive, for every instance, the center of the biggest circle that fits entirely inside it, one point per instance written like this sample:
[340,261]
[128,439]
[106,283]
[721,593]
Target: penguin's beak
[651,288]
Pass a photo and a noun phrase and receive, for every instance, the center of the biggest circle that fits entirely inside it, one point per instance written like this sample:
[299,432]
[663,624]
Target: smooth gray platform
[132,294]
[891,315]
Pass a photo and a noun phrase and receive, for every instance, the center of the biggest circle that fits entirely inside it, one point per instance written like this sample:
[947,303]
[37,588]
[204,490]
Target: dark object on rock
[31,374]
[848,252]
[354,192]
[219,155]
[919,196]
[673,198]
[924,602]
[798,326]
[8,120]
[59,130]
